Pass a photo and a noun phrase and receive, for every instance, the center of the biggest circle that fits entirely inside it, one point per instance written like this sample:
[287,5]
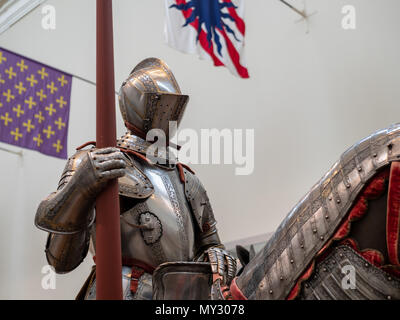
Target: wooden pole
[108,233]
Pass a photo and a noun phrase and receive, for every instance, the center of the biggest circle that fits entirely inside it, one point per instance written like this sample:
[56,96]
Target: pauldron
[66,210]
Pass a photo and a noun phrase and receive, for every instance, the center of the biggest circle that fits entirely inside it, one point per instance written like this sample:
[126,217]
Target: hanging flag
[34,105]
[214,29]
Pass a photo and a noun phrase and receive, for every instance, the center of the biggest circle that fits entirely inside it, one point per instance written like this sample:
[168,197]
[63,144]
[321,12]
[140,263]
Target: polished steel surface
[167,220]
[134,184]
[150,98]
[57,213]
[163,219]
[370,282]
[66,211]
[222,264]
[182,281]
[171,216]
[309,225]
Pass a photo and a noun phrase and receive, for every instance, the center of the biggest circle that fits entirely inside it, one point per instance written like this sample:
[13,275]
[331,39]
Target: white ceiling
[13,10]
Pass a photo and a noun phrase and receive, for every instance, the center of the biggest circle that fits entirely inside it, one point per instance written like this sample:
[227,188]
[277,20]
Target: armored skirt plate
[345,275]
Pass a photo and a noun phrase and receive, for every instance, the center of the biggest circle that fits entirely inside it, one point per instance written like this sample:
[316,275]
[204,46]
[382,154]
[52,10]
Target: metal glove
[222,263]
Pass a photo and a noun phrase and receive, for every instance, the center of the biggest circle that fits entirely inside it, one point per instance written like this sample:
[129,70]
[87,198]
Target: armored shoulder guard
[70,209]
[312,222]
[135,184]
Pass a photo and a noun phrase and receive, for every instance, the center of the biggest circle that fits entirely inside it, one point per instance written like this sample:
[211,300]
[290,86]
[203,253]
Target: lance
[302,13]
[108,238]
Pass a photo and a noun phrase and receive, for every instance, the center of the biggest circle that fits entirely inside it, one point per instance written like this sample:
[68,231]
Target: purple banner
[34,105]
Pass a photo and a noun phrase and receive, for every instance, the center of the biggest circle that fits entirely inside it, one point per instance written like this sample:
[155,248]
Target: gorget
[162,156]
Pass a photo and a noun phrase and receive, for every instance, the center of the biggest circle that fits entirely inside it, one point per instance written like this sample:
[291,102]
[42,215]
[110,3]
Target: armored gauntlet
[222,263]
[69,209]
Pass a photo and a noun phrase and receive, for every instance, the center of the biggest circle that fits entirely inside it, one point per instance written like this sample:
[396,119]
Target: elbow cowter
[65,252]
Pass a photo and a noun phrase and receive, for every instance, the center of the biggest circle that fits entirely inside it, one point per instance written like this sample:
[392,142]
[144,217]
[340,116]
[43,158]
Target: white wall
[310,96]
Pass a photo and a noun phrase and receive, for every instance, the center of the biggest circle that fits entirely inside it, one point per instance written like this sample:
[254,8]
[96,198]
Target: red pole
[108,238]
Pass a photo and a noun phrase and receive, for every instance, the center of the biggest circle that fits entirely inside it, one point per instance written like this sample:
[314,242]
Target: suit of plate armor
[165,211]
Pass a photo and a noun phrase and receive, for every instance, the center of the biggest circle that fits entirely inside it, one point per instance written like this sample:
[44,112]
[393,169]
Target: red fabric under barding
[373,190]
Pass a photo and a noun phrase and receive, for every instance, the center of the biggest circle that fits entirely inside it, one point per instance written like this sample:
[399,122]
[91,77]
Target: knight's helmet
[151,97]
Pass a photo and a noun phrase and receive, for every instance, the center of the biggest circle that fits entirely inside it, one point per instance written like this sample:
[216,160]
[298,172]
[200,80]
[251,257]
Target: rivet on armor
[322,237]
[301,245]
[270,291]
[281,278]
[261,285]
[306,285]
[338,200]
[359,169]
[341,255]
[325,269]
[389,297]
[291,261]
[375,155]
[315,230]
[326,217]
[390,278]
[330,198]
[366,265]
[348,185]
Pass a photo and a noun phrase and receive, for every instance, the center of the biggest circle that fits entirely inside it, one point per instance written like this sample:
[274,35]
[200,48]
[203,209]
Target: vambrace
[208,243]
[208,237]
[202,212]
[69,210]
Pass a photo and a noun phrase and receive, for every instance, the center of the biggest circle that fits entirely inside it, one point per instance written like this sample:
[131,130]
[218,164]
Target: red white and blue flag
[214,29]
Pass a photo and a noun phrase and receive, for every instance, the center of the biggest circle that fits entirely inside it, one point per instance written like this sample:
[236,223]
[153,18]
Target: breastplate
[160,228]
